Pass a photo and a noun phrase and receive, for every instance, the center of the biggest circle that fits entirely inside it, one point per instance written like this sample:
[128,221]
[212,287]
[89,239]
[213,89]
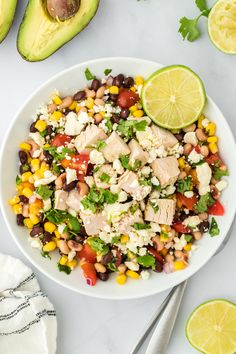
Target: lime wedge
[222,26]
[173,97]
[211,328]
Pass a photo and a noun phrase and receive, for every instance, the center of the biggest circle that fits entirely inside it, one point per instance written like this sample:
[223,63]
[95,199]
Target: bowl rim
[42,269]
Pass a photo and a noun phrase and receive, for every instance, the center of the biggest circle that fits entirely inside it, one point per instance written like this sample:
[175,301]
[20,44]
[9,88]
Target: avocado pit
[62,9]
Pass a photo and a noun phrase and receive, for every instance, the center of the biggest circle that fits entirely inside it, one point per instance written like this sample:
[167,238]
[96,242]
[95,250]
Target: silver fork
[166,315]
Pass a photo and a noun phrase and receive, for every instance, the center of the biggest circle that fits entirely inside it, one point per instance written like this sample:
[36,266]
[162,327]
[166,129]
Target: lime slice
[211,328]
[222,25]
[173,97]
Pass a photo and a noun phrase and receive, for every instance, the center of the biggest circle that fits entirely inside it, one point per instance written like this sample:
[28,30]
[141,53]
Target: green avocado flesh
[7,12]
[40,35]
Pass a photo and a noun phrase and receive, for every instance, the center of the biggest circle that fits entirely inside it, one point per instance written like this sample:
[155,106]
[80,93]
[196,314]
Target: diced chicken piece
[60,200]
[137,153]
[128,220]
[164,137]
[166,170]
[93,223]
[130,184]
[165,213]
[89,137]
[105,176]
[73,200]
[115,147]
[72,125]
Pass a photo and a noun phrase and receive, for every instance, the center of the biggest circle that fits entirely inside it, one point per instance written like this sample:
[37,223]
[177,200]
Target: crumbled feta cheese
[161,152]
[221,185]
[72,125]
[142,251]
[84,118]
[106,237]
[168,190]
[118,166]
[37,138]
[180,243]
[96,157]
[71,255]
[123,196]
[146,170]
[188,194]
[205,122]
[155,181]
[48,178]
[103,126]
[115,188]
[176,150]
[152,155]
[146,138]
[72,212]
[190,138]
[132,265]
[192,221]
[35,243]
[145,274]
[155,227]
[70,175]
[47,204]
[36,153]
[194,156]
[89,180]
[141,192]
[204,174]
[61,228]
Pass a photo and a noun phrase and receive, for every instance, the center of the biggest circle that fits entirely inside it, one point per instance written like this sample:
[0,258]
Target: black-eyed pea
[100,268]
[172,233]
[179,254]
[66,102]
[52,108]
[203,216]
[187,148]
[83,188]
[201,135]
[62,245]
[159,244]
[74,246]
[83,109]
[90,93]
[197,235]
[182,175]
[169,258]
[100,92]
[99,102]
[122,268]
[204,150]
[65,235]
[190,128]
[214,181]
[98,118]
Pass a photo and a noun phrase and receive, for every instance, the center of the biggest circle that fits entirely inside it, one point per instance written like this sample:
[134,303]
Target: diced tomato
[213,158]
[189,203]
[78,163]
[127,98]
[87,254]
[197,149]
[156,254]
[181,228]
[61,140]
[89,273]
[216,209]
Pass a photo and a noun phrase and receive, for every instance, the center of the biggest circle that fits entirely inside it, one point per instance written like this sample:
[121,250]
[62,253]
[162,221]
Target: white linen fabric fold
[28,322]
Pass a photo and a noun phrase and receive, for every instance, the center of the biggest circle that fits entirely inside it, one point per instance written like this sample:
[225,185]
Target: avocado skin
[23,27]
[8,17]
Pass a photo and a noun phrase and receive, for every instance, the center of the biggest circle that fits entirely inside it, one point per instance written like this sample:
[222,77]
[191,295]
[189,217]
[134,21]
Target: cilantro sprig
[59,216]
[127,128]
[214,228]
[124,159]
[98,245]
[89,75]
[204,203]
[44,191]
[184,185]
[97,197]
[189,27]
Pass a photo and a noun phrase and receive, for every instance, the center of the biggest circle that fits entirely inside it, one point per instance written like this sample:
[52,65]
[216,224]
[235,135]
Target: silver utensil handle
[164,328]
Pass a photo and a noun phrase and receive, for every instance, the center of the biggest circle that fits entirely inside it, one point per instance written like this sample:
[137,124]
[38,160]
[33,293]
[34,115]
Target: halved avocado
[7,12]
[40,35]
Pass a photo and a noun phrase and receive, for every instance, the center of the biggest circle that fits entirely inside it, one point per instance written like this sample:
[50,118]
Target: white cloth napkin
[28,322]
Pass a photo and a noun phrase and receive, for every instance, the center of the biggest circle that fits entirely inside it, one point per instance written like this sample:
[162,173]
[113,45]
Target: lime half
[211,328]
[222,25]
[173,97]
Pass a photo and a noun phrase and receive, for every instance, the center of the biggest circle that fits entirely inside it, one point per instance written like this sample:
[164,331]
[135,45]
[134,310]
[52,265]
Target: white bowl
[68,82]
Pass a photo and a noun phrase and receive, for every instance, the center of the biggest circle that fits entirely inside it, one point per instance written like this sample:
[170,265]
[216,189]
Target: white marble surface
[146,29]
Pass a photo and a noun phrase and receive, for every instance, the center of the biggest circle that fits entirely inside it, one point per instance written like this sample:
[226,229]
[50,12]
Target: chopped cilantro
[139,226]
[18,180]
[115,239]
[97,197]
[184,185]
[44,191]
[154,206]
[58,156]
[89,75]
[133,208]
[100,145]
[111,266]
[214,228]
[108,124]
[204,203]
[124,159]
[44,133]
[107,71]
[127,128]
[64,268]
[105,177]
[218,173]
[145,182]
[188,237]
[147,261]
[45,254]
[59,216]
[98,245]
[55,168]
[73,223]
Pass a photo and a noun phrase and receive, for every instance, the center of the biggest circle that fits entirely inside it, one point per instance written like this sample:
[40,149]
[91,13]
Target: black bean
[48,157]
[204,226]
[79,95]
[82,232]
[124,113]
[158,267]
[47,237]
[118,80]
[41,217]
[179,136]
[49,130]
[115,118]
[23,157]
[103,276]
[23,199]
[70,186]
[36,231]
[95,84]
[113,97]
[107,258]
[90,170]
[32,128]
[20,219]
[78,239]
[24,168]
[128,82]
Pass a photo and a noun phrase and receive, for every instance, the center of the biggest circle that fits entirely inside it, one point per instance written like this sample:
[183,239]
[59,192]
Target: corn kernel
[44,167]
[166,228]
[77,108]
[121,279]
[212,139]
[25,146]
[213,148]
[133,109]
[124,239]
[89,103]
[139,80]
[46,145]
[73,105]
[14,200]
[199,123]
[130,255]
[181,162]
[25,176]
[179,265]
[63,260]
[56,99]
[90,114]
[40,125]
[211,129]
[27,192]
[102,114]
[72,264]
[38,175]
[164,237]
[114,90]
[50,246]
[28,223]
[132,274]
[33,209]
[188,247]
[35,164]
[49,227]
[133,89]
[17,209]
[55,116]
[27,185]
[179,203]
[31,179]
[138,114]
[57,233]
[164,251]
[34,219]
